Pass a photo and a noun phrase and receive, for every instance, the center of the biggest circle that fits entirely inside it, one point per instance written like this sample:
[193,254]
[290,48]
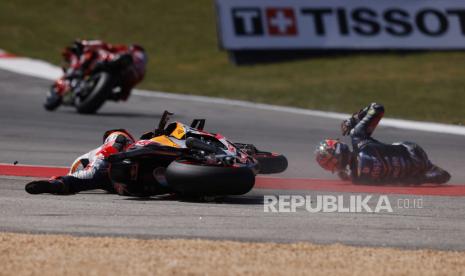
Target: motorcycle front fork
[76,87]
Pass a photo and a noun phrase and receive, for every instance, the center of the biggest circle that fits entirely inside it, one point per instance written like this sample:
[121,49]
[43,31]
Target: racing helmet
[116,132]
[332,155]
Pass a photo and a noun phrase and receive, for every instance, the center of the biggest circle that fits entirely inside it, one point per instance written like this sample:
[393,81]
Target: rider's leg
[428,172]
[94,176]
[91,178]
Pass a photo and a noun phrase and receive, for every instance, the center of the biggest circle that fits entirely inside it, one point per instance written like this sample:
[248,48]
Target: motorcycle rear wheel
[98,94]
[269,163]
[193,179]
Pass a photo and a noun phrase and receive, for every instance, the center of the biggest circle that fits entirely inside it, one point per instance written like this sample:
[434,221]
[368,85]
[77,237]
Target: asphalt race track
[30,135]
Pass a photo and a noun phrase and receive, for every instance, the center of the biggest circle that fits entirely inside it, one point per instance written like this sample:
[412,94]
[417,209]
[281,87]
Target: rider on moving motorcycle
[75,57]
[372,161]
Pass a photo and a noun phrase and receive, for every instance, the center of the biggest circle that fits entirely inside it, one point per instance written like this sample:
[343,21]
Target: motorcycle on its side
[187,160]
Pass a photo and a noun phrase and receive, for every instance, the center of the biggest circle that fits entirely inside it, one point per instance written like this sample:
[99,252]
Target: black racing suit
[376,162]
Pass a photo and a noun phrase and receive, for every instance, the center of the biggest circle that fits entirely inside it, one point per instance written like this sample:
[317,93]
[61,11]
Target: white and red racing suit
[91,170]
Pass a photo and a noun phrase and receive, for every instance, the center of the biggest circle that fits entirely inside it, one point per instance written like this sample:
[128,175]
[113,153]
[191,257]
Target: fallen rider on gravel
[374,162]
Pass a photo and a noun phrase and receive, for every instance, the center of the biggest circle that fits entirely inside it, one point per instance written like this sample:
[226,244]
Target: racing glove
[348,124]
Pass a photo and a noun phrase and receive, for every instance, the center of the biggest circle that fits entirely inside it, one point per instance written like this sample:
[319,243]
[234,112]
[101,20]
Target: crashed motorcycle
[94,76]
[187,160]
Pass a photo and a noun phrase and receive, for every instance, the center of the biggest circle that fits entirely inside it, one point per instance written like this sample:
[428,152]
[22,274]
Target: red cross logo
[281,21]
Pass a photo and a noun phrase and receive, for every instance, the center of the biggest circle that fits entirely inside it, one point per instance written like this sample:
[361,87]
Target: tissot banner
[341,24]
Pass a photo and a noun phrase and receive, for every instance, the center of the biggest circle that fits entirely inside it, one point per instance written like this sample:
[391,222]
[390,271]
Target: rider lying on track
[371,161]
[96,172]
[174,158]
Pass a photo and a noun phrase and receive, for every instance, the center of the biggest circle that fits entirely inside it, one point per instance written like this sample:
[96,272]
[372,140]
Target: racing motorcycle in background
[95,72]
[187,160]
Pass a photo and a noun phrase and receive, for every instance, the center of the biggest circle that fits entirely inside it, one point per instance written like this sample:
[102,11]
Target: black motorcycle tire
[202,180]
[98,95]
[269,163]
[53,100]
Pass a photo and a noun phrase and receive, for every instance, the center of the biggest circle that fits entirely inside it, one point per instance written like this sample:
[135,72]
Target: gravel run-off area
[25,254]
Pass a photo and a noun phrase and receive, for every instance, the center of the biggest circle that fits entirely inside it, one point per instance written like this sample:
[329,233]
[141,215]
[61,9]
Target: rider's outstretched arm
[366,120]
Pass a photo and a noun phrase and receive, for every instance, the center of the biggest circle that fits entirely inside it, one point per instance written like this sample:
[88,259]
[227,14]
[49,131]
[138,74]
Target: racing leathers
[376,162]
[75,56]
[91,170]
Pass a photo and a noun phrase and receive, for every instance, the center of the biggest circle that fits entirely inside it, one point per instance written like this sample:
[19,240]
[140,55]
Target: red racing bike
[187,160]
[95,72]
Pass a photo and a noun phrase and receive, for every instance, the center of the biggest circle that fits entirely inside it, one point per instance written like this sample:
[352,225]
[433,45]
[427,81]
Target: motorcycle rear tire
[269,163]
[192,179]
[98,95]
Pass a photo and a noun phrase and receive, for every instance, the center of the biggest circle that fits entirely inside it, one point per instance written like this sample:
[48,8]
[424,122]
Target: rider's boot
[51,186]
[437,175]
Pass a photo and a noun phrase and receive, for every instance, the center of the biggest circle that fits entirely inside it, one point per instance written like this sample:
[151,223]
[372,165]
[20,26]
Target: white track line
[31,67]
[41,69]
